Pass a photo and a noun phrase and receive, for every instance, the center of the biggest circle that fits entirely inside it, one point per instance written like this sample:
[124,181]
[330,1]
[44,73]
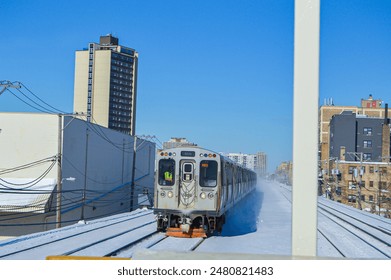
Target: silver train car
[194,188]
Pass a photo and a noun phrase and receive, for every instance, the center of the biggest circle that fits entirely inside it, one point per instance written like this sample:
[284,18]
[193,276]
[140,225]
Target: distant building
[284,172]
[175,142]
[369,107]
[364,185]
[106,84]
[358,170]
[256,162]
[247,160]
[261,164]
[358,134]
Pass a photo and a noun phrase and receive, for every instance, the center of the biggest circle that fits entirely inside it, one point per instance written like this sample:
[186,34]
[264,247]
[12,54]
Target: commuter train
[194,188]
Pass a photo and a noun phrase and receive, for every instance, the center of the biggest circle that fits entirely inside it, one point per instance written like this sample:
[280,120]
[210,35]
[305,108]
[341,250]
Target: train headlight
[203,195]
[170,194]
[162,194]
[210,195]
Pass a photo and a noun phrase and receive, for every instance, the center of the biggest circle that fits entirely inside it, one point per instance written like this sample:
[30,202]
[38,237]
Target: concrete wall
[342,133]
[100,160]
[26,138]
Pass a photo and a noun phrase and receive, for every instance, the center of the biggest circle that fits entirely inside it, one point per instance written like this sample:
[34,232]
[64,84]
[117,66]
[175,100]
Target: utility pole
[8,84]
[59,167]
[132,186]
[360,157]
[379,190]
[59,173]
[85,178]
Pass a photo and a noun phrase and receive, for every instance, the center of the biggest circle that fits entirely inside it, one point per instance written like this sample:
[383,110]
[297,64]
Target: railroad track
[351,232]
[93,239]
[119,236]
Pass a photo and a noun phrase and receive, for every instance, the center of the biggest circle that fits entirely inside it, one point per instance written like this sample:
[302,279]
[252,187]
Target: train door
[187,184]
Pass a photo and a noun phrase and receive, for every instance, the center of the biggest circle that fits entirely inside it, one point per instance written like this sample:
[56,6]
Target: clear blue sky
[219,73]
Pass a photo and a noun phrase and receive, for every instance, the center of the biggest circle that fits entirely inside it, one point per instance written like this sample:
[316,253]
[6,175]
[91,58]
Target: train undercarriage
[185,226]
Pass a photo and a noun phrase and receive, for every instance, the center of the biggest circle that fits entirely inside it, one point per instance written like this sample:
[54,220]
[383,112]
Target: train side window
[166,172]
[208,173]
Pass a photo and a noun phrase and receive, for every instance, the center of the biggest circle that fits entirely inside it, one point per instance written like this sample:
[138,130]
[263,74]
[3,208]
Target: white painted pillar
[305,128]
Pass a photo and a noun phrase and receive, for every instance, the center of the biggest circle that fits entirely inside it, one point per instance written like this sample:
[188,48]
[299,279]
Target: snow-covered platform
[258,228]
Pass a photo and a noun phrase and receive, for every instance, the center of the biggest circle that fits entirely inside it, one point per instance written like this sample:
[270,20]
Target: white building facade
[256,162]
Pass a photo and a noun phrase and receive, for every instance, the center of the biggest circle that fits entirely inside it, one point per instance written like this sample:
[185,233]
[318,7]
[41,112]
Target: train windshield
[166,172]
[208,173]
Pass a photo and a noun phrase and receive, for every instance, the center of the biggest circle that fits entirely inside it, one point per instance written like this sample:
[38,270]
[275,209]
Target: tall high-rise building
[261,164]
[106,84]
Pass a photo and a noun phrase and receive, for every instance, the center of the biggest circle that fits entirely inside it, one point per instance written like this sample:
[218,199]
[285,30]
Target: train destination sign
[187,153]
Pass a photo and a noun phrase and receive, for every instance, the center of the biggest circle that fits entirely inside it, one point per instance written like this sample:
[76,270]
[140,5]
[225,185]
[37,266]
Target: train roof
[198,148]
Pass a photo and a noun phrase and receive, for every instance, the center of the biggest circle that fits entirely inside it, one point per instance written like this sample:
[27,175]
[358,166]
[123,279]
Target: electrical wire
[32,106]
[28,165]
[39,105]
[58,110]
[29,184]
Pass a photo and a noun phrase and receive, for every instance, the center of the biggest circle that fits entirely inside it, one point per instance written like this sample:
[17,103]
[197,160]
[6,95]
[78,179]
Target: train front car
[187,189]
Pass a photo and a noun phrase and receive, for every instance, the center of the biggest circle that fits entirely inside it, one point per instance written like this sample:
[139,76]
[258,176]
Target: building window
[371,184]
[371,169]
[367,143]
[352,186]
[367,156]
[351,169]
[362,197]
[352,198]
[371,198]
[368,131]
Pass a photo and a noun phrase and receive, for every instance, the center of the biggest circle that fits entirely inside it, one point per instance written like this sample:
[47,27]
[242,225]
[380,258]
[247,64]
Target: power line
[28,165]
[58,110]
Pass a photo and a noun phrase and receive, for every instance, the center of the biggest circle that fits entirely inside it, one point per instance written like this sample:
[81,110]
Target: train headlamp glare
[162,194]
[210,195]
[203,195]
[170,194]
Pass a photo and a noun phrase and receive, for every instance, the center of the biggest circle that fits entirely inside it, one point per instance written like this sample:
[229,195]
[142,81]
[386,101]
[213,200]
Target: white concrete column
[305,128]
